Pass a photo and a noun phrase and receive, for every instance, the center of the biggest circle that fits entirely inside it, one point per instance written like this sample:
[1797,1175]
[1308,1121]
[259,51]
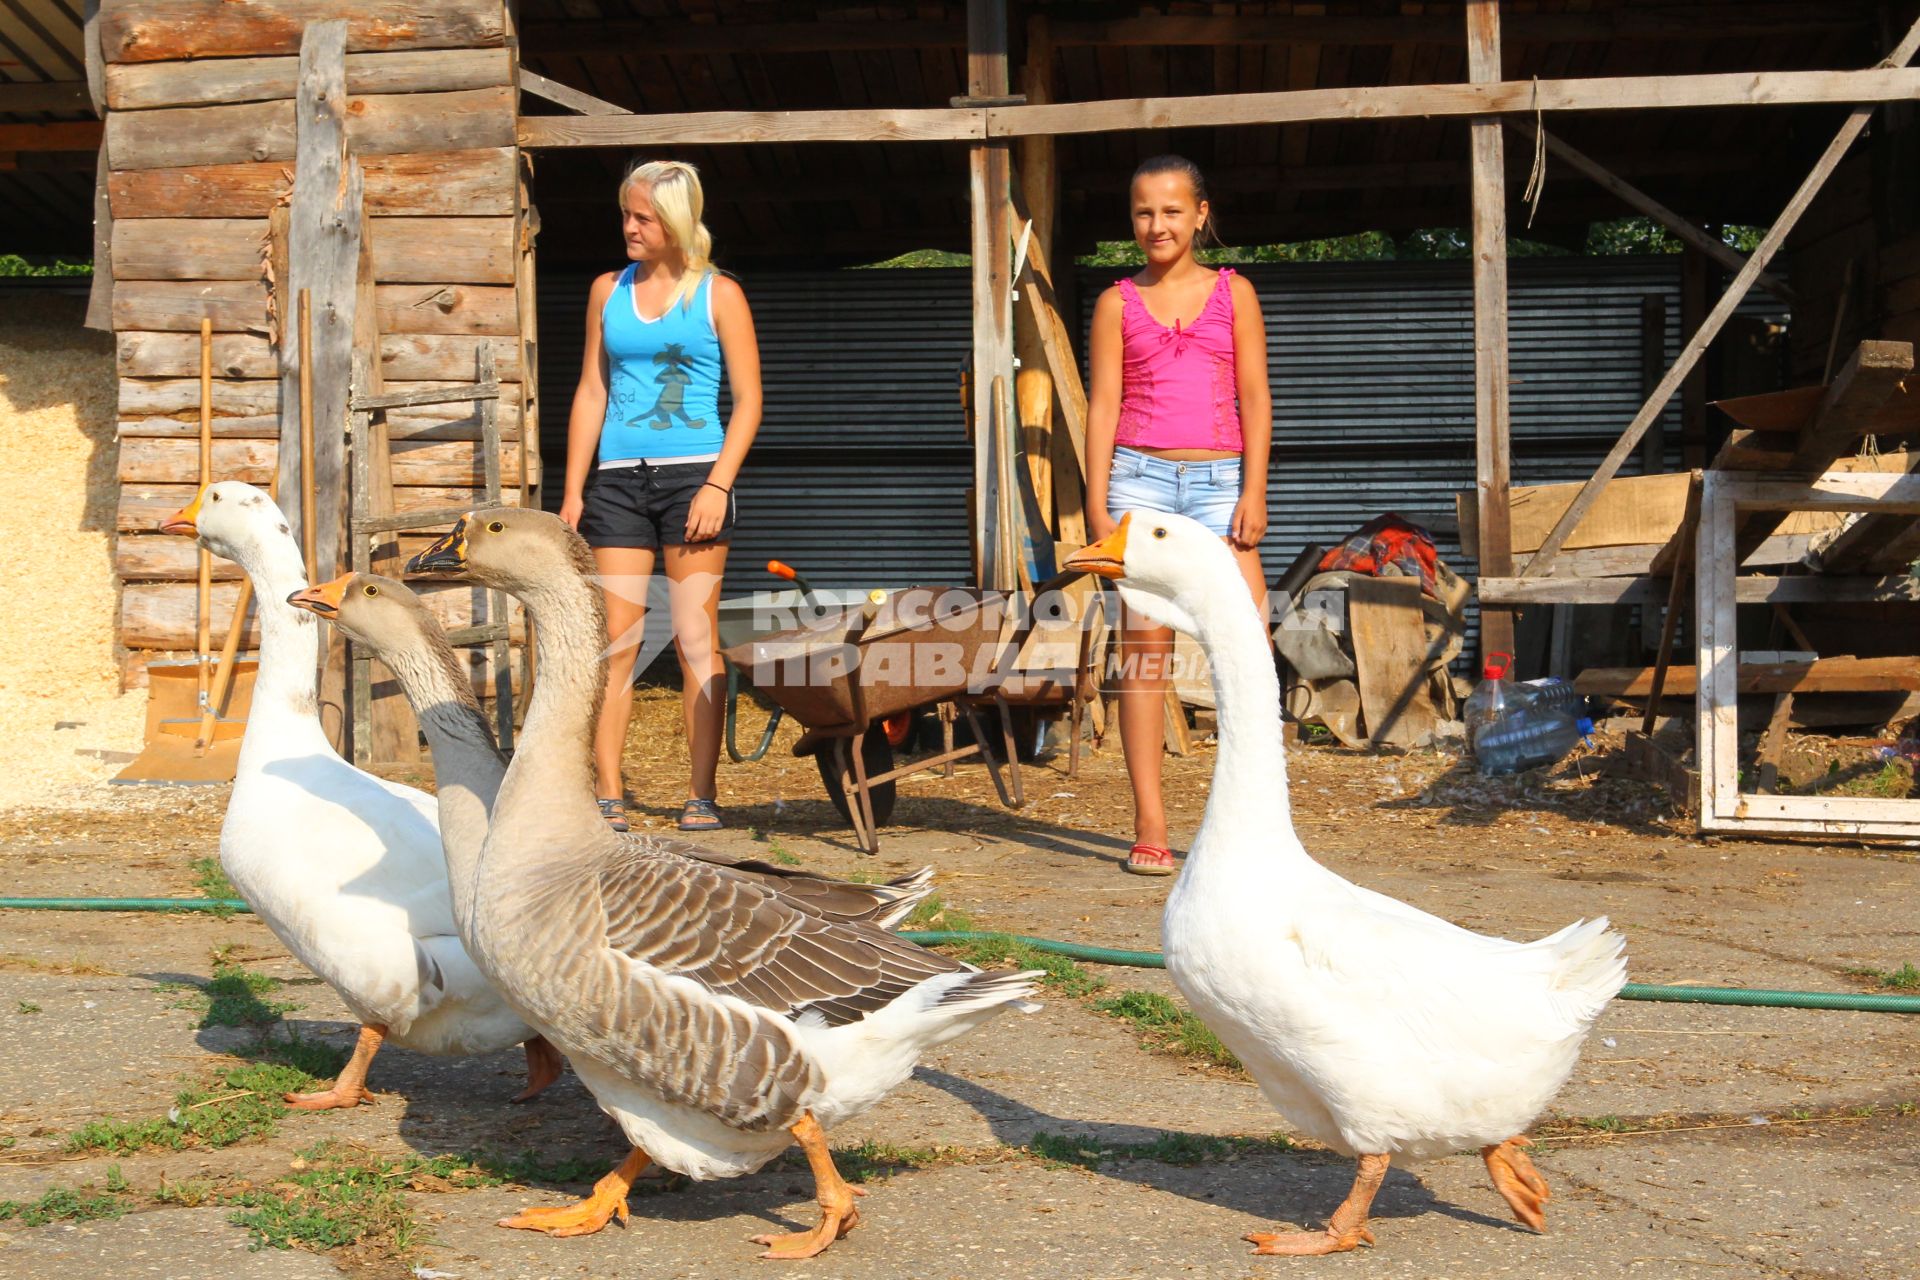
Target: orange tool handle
[779,570]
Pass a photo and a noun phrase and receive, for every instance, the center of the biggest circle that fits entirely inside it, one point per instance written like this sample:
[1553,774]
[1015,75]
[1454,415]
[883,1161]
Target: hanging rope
[1537,175]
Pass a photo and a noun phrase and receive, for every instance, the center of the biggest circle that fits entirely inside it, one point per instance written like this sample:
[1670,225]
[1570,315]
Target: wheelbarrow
[855,666]
[763,614]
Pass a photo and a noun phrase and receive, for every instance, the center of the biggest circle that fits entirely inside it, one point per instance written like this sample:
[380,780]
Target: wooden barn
[487,139]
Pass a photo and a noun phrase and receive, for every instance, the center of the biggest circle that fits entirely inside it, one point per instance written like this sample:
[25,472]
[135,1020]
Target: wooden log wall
[200,148]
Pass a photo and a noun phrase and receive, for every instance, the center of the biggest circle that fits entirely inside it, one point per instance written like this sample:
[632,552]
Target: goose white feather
[344,867]
[1374,1027]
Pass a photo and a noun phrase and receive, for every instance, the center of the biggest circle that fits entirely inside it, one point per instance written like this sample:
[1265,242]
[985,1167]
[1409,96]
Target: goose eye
[370,590]
[1160,532]
[213,497]
[495,526]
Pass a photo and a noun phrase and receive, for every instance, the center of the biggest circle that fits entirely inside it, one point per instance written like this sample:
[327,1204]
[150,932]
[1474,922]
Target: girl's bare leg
[1146,650]
[693,591]
[625,573]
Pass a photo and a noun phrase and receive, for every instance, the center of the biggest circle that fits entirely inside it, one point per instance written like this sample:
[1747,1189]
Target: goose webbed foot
[1515,1178]
[837,1212]
[544,1065]
[350,1086]
[584,1217]
[1347,1229]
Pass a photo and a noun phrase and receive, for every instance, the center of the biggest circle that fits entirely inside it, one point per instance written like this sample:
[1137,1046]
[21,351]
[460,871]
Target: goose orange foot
[837,1212]
[1515,1178]
[584,1217]
[544,1065]
[350,1086]
[1306,1244]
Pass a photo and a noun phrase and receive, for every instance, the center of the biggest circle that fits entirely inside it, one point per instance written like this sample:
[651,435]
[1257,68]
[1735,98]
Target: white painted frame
[1725,494]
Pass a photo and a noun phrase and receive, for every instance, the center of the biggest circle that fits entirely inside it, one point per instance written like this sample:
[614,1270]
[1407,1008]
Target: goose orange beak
[183,521]
[323,599]
[448,555]
[1107,557]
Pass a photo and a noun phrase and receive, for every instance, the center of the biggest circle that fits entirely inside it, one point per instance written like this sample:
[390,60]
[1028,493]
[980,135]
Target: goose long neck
[285,690]
[549,785]
[466,765]
[1249,790]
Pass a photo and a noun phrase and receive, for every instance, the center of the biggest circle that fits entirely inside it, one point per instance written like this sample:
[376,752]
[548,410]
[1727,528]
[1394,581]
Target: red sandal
[1149,860]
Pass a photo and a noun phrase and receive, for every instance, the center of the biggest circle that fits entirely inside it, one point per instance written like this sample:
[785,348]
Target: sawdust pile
[63,721]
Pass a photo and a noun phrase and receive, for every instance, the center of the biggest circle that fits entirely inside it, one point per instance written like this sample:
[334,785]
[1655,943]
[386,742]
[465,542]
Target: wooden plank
[54,135]
[176,395]
[1389,635]
[143,506]
[171,137]
[45,95]
[1824,675]
[407,357]
[989,170]
[163,30]
[476,182]
[405,250]
[1736,292]
[1835,491]
[694,128]
[1619,93]
[154,557]
[1492,446]
[146,85]
[447,309]
[149,460]
[1712,246]
[234,306]
[1750,589]
[421,397]
[568,96]
[407,424]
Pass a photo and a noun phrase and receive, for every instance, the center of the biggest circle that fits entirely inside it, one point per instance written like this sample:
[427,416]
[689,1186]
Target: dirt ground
[1693,1141]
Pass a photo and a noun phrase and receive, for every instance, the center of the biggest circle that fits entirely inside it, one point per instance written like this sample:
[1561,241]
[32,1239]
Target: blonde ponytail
[678,201]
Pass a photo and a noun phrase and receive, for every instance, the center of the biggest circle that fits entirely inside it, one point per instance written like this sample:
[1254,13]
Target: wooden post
[1696,346]
[989,171]
[306,433]
[1039,192]
[1492,446]
[203,640]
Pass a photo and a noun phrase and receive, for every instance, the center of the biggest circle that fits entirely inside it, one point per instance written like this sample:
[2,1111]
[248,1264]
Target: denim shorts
[1203,491]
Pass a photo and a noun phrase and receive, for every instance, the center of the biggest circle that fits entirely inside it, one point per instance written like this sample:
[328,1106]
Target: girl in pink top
[1179,419]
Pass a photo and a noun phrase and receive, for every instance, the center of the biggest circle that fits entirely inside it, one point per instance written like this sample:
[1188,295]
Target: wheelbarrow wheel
[876,753]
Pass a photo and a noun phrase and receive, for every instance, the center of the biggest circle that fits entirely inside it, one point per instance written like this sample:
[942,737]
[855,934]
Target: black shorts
[646,506]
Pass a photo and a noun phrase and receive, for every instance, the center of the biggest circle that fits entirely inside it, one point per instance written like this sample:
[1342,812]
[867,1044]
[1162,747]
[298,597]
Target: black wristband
[708,484]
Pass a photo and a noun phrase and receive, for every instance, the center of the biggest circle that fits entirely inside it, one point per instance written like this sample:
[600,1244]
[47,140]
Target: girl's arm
[589,406]
[733,322]
[1256,413]
[1103,408]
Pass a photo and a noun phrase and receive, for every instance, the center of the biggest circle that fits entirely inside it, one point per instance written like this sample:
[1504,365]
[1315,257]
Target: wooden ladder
[362,524]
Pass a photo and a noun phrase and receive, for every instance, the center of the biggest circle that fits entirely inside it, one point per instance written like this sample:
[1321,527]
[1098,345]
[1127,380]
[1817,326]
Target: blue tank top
[663,377]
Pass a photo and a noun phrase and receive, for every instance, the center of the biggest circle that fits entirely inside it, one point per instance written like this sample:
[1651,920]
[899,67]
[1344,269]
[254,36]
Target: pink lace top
[1177,388]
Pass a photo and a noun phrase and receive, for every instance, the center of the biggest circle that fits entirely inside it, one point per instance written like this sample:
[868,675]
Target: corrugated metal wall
[861,470]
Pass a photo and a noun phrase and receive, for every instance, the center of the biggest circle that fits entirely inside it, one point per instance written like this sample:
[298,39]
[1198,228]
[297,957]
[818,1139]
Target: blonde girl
[650,465]
[1179,419]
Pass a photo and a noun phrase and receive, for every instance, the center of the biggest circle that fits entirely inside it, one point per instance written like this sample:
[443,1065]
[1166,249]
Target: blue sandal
[700,815]
[615,812]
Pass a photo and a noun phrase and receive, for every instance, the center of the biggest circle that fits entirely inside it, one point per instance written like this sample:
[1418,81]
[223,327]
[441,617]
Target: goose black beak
[448,555]
[1107,557]
[323,599]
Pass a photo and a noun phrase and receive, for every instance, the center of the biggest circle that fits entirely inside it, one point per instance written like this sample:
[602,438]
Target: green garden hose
[1751,996]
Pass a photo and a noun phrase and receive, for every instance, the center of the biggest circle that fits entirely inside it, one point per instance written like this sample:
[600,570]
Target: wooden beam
[166,30]
[203,82]
[568,96]
[1491,417]
[1638,199]
[1808,589]
[1824,675]
[45,95]
[1736,292]
[989,167]
[1388,102]
[58,135]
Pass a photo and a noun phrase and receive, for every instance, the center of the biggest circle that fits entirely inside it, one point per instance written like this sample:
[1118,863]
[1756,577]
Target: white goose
[1374,1027]
[715,1019]
[395,626]
[344,867]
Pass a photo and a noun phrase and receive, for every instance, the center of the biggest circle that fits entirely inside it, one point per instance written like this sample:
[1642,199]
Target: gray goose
[390,620]
[713,1017]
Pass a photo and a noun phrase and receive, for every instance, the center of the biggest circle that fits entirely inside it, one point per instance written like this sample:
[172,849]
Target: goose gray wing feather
[740,937]
[879,904]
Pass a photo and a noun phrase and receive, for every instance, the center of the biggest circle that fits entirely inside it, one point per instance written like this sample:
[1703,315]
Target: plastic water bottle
[1491,699]
[1551,693]
[1527,739]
